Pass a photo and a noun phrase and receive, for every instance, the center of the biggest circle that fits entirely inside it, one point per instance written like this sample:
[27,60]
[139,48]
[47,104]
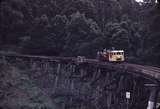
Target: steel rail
[149,71]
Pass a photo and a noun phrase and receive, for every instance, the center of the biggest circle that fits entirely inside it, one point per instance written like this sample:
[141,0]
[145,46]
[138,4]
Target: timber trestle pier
[92,84]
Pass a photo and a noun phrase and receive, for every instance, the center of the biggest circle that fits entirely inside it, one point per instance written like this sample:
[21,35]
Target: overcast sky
[142,1]
[139,0]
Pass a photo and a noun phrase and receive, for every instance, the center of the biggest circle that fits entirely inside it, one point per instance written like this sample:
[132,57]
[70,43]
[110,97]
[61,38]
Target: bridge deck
[148,72]
[144,70]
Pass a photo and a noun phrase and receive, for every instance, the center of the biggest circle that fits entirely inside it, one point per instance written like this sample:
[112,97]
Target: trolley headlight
[119,58]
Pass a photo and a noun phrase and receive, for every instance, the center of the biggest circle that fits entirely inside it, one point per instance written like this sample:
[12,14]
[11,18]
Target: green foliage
[79,27]
[20,91]
[80,31]
[47,36]
[124,35]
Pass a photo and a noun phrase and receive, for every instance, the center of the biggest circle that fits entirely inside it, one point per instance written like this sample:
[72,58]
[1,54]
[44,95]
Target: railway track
[154,69]
[149,71]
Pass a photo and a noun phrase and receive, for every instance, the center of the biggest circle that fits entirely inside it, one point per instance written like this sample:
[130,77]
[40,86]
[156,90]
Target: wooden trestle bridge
[94,84]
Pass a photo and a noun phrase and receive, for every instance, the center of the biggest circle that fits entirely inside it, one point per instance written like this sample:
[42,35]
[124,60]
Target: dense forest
[81,27]
[76,28]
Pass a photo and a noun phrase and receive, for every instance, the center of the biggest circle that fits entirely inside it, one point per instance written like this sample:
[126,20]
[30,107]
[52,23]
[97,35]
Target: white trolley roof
[115,51]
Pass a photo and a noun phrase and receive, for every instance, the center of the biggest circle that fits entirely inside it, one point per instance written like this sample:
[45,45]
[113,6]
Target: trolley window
[118,53]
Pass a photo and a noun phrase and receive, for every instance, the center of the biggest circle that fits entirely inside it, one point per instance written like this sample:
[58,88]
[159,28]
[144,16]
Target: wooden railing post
[153,97]
[57,76]
[4,60]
